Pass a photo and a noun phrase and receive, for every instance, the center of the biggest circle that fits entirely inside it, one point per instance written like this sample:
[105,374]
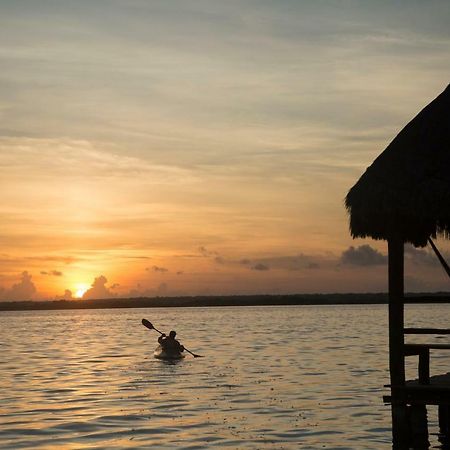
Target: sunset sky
[204,147]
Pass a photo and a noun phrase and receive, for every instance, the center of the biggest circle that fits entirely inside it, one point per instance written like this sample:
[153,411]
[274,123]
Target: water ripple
[272,378]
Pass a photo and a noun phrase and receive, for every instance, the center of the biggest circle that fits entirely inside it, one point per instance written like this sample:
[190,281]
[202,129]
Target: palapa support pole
[400,427]
[444,424]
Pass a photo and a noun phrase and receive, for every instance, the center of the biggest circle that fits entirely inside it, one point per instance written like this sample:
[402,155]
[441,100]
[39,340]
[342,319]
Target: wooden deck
[437,392]
[415,393]
[426,389]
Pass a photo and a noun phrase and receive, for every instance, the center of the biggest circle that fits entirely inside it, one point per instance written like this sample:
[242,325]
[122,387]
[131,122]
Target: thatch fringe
[406,191]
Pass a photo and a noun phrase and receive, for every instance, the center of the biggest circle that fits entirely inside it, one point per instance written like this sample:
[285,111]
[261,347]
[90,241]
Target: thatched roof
[406,191]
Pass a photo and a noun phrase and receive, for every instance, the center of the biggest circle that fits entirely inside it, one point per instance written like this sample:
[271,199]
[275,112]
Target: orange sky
[184,148]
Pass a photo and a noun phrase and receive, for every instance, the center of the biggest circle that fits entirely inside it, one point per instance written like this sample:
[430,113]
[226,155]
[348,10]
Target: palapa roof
[406,191]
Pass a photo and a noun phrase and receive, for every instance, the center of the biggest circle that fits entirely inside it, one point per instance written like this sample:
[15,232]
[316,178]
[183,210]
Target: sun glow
[80,289]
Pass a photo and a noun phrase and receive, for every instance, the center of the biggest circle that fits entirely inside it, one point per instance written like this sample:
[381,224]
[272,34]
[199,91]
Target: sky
[204,147]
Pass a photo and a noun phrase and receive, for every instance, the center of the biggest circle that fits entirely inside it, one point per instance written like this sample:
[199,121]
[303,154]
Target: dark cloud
[364,255]
[134,293]
[424,257]
[260,267]
[139,291]
[180,272]
[23,290]
[296,262]
[98,289]
[207,253]
[55,273]
[289,262]
[67,295]
[157,269]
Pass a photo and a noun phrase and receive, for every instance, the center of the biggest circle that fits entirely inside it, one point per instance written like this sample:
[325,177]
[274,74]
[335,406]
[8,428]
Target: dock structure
[404,197]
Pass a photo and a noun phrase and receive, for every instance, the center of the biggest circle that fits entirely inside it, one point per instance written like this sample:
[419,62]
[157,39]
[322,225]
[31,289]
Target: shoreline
[231,300]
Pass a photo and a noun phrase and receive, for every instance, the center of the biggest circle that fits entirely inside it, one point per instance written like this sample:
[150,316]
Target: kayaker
[169,343]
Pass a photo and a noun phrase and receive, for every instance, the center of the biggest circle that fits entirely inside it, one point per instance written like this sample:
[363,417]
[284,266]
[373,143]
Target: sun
[80,289]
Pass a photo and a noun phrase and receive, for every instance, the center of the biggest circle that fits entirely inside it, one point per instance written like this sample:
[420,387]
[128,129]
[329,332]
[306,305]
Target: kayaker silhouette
[160,353]
[169,343]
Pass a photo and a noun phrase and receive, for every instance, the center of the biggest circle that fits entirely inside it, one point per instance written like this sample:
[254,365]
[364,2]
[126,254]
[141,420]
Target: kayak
[160,353]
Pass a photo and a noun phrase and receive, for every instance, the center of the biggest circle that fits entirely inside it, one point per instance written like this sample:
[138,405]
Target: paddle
[150,326]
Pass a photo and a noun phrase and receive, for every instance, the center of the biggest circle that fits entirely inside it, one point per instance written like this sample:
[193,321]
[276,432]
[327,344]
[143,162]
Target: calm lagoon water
[306,377]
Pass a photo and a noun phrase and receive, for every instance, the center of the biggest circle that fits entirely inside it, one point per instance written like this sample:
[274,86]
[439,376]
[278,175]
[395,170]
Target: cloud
[364,255]
[6,259]
[261,267]
[286,262]
[159,291]
[135,293]
[294,262]
[55,273]
[157,269]
[207,253]
[23,290]
[217,258]
[162,289]
[98,289]
[421,256]
[71,158]
[67,295]
[135,257]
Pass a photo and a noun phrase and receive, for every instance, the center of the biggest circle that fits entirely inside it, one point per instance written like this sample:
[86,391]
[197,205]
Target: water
[306,377]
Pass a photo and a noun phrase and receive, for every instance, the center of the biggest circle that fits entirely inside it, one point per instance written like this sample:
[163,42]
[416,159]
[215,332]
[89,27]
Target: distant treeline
[232,300]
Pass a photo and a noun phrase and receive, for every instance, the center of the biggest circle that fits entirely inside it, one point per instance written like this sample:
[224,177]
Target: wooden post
[424,366]
[444,425]
[400,429]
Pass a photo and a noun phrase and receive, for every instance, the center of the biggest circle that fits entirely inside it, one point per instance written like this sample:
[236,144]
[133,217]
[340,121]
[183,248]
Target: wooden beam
[427,331]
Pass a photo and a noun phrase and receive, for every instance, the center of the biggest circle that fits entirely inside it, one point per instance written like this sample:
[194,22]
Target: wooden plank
[423,395]
[427,299]
[417,347]
[426,331]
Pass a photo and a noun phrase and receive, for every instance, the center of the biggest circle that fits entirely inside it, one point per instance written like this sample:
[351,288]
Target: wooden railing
[424,299]
[426,331]
[423,350]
